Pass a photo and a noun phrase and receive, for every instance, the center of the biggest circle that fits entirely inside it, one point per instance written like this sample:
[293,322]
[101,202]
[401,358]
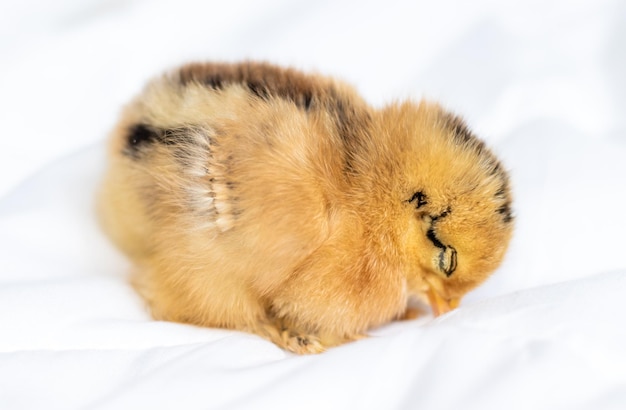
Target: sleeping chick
[266,200]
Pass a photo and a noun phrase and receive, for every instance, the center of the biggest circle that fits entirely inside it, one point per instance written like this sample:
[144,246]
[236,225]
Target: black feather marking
[265,82]
[430,234]
[214,81]
[505,211]
[461,132]
[420,198]
[441,215]
[497,169]
[308,100]
[258,89]
[500,193]
[138,136]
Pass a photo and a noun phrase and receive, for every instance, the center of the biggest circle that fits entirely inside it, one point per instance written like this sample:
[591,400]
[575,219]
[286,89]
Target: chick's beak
[440,305]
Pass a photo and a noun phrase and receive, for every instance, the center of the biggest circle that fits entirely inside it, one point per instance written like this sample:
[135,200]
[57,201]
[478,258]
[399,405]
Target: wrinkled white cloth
[542,82]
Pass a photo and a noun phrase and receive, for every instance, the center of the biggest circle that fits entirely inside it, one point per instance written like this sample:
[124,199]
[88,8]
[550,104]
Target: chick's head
[453,199]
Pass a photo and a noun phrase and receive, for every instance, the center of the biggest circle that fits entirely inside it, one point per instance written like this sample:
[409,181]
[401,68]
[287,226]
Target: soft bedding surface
[542,81]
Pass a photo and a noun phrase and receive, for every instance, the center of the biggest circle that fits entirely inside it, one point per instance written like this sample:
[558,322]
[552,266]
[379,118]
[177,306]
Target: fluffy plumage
[267,200]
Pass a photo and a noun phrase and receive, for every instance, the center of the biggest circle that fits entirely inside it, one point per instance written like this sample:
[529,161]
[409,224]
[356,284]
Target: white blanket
[542,81]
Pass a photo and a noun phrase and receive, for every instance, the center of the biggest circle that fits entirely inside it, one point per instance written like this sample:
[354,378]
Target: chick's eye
[446,261]
[447,256]
[418,199]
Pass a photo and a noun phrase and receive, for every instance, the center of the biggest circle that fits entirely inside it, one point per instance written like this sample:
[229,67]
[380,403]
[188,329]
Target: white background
[542,81]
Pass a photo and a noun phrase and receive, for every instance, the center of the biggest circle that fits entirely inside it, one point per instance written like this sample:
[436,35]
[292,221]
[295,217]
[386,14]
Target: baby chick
[263,199]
